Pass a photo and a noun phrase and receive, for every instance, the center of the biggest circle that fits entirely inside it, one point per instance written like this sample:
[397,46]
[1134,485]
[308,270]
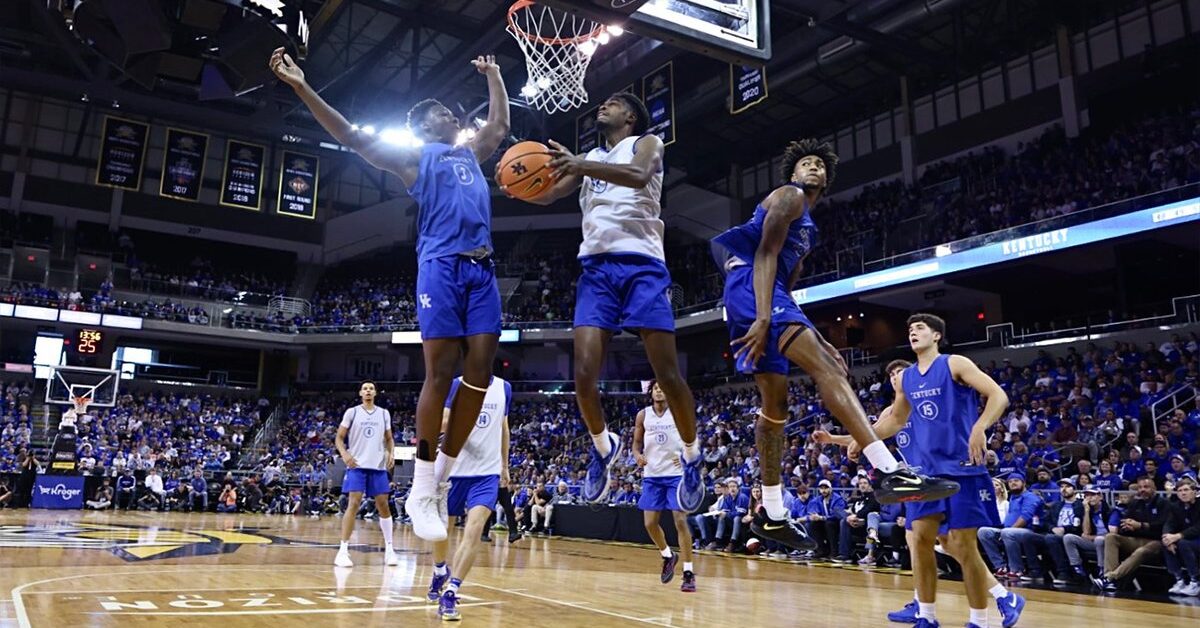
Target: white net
[558,47]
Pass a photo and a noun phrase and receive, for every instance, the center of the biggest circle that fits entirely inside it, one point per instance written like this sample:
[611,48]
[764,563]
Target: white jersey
[481,455]
[365,439]
[661,444]
[617,219]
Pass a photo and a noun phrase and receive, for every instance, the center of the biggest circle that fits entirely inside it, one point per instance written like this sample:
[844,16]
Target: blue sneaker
[435,587]
[448,607]
[1010,607]
[906,615]
[690,490]
[970,625]
[599,472]
[925,623]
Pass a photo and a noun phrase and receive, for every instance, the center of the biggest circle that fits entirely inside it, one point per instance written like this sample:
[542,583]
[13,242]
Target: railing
[266,434]
[289,306]
[1167,405]
[219,294]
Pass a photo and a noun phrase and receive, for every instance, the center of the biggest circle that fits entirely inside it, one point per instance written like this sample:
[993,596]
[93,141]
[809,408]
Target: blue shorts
[973,506]
[740,312]
[457,297]
[624,291]
[659,494]
[369,482]
[469,492]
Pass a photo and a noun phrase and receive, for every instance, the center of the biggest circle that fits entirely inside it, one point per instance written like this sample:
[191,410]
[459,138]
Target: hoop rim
[549,41]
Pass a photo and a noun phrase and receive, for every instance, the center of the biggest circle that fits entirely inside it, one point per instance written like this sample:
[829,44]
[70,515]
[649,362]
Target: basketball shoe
[1010,607]
[784,532]
[906,615]
[668,567]
[448,607]
[689,582]
[436,586]
[905,485]
[599,472]
[423,510]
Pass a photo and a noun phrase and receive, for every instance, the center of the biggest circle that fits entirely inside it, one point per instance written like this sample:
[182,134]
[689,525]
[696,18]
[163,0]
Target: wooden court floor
[61,569]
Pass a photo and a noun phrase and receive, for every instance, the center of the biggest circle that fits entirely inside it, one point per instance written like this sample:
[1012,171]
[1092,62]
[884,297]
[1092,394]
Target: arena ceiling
[373,58]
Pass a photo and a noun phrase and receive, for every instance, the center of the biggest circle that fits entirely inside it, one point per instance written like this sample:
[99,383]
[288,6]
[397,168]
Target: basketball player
[624,283]
[458,302]
[475,482]
[947,435]
[369,462]
[766,258]
[656,446]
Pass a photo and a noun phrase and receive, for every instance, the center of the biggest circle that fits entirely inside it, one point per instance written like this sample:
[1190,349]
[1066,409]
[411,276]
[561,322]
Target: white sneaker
[343,559]
[390,558]
[443,496]
[1192,589]
[426,519]
[1177,588]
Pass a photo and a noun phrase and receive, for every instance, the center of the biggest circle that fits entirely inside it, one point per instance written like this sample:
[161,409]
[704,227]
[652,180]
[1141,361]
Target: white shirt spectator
[154,483]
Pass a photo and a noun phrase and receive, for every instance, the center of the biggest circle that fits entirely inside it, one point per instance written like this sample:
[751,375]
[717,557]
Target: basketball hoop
[558,47]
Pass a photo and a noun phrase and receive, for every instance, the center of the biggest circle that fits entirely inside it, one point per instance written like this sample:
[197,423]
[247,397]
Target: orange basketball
[522,172]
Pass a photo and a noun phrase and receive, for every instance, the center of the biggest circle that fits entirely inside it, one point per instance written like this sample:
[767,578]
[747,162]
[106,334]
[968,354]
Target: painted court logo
[131,543]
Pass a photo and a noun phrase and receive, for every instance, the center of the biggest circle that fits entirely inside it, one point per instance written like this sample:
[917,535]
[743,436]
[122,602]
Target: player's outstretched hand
[822,437]
[486,63]
[351,463]
[286,69]
[562,161]
[853,451]
[753,345]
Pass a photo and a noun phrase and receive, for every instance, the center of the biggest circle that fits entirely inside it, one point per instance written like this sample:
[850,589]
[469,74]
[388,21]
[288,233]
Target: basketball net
[558,47]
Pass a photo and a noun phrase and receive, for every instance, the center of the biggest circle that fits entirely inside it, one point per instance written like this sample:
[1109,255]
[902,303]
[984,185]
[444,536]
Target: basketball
[753,545]
[522,172]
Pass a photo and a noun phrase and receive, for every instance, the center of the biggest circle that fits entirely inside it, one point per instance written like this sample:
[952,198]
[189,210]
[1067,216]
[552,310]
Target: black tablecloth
[608,523]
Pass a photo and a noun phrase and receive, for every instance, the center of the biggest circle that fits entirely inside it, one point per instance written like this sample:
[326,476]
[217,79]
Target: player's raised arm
[965,371]
[489,137]
[783,206]
[647,161]
[376,152]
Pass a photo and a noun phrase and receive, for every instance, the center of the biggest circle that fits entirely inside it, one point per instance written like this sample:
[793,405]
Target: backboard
[67,382]
[737,31]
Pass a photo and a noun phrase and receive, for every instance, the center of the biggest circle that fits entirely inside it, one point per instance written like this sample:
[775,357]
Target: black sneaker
[784,532]
[513,537]
[668,568]
[905,485]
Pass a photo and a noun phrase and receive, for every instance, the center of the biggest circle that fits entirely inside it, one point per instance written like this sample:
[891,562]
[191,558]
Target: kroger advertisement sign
[58,491]
[1016,248]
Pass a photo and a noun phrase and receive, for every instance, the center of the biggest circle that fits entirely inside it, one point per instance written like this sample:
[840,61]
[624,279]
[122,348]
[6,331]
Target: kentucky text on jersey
[939,426]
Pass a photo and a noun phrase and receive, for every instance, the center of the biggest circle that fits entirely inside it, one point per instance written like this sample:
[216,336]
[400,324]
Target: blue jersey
[742,241]
[943,413]
[455,206]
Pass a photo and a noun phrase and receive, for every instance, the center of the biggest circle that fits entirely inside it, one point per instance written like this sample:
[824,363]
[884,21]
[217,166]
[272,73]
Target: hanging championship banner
[658,92]
[183,165]
[747,87]
[586,135]
[122,151]
[298,185]
[241,184]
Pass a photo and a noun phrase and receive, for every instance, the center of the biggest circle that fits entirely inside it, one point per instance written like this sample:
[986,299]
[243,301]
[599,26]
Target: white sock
[666,553]
[442,467]
[926,611]
[998,592]
[385,524]
[688,567]
[423,483]
[979,617]
[439,569]
[691,450]
[880,457]
[603,444]
[773,502]
[345,546]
